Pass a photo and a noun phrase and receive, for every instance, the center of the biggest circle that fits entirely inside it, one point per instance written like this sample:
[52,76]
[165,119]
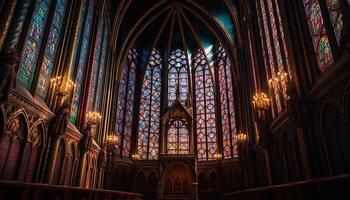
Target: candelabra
[218,156]
[261,101]
[93,117]
[111,139]
[277,82]
[62,87]
[135,157]
[242,137]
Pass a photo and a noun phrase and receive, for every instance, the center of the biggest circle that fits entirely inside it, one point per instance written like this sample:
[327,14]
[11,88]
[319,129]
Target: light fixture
[111,139]
[261,101]
[242,137]
[93,117]
[135,156]
[62,85]
[277,82]
[218,156]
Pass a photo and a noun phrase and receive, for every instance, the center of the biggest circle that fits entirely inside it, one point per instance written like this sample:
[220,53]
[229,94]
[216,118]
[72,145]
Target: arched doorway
[177,183]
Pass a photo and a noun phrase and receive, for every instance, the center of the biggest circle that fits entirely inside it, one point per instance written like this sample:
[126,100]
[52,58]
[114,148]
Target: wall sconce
[242,137]
[276,83]
[93,117]
[62,85]
[111,139]
[218,156]
[135,156]
[261,101]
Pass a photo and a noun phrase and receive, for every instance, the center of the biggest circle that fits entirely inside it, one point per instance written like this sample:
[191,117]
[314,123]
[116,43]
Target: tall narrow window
[81,59]
[318,33]
[205,109]
[33,42]
[51,49]
[228,122]
[148,136]
[125,104]
[178,138]
[95,66]
[274,47]
[178,77]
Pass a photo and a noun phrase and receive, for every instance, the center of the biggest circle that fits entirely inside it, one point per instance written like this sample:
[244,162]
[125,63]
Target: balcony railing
[13,190]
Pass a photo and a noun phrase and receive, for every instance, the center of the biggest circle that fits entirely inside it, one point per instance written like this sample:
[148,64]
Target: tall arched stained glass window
[178,77]
[95,66]
[125,104]
[318,33]
[51,49]
[228,122]
[33,40]
[101,73]
[78,72]
[178,138]
[148,136]
[205,109]
[274,47]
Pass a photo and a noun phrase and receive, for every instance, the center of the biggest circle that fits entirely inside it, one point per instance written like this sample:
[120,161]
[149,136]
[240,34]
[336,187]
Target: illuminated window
[148,135]
[125,104]
[178,138]
[228,122]
[205,109]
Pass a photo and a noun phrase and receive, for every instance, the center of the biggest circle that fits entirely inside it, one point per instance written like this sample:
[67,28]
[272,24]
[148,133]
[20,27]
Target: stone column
[6,19]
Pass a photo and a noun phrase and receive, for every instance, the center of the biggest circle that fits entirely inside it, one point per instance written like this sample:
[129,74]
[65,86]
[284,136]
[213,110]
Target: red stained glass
[205,109]
[228,121]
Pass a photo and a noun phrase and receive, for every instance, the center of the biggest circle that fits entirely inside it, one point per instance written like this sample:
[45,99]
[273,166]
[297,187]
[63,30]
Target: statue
[88,136]
[13,129]
[8,73]
[61,120]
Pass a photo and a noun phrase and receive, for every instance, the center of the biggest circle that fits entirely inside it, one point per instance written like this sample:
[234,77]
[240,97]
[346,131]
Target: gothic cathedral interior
[174,99]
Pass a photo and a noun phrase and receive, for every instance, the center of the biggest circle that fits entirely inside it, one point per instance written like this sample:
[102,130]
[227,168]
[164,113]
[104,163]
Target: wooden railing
[13,190]
[336,187]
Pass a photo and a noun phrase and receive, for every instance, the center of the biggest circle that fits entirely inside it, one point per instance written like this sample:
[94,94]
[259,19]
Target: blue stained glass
[50,50]
[32,42]
[82,60]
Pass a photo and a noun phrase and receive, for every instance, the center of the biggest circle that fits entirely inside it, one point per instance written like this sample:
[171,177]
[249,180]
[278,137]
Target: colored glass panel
[16,27]
[148,136]
[125,104]
[51,49]
[228,122]
[178,77]
[81,60]
[318,33]
[178,138]
[205,109]
[32,43]
[334,9]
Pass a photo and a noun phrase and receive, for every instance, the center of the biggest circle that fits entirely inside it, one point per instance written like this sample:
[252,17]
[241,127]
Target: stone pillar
[6,19]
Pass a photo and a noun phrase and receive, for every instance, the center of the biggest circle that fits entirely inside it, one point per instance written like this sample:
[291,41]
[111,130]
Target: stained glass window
[178,77]
[228,122]
[178,138]
[16,27]
[95,67]
[101,75]
[334,9]
[148,136]
[125,104]
[318,33]
[50,50]
[205,109]
[32,42]
[81,56]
